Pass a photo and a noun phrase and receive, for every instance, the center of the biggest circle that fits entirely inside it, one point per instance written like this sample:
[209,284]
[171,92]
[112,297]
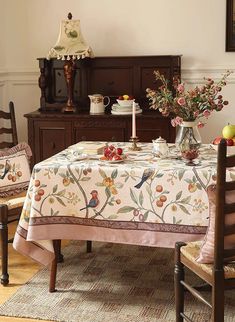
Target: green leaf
[85,178]
[186,200]
[99,184]
[61,201]
[56,170]
[146,215]
[179,222]
[232,176]
[205,174]
[52,212]
[159,175]
[184,209]
[141,198]
[174,220]
[181,174]
[61,193]
[149,191]
[55,188]
[102,173]
[107,191]
[199,186]
[112,217]
[133,196]
[125,209]
[178,196]
[114,174]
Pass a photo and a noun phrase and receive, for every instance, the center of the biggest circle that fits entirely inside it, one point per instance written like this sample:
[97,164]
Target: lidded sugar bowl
[160,148]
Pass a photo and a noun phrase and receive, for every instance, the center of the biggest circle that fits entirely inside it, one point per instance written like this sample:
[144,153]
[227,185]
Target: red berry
[40,192]
[119,151]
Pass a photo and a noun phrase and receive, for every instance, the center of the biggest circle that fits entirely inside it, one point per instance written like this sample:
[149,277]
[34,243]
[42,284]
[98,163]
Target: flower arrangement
[187,105]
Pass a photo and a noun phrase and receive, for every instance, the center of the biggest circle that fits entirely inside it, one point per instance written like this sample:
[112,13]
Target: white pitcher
[97,105]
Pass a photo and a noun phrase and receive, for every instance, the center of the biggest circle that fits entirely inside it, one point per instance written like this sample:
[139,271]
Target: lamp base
[134,146]
[69,73]
[69,109]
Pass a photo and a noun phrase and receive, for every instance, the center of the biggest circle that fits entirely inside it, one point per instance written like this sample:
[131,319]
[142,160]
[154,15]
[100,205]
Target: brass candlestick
[134,146]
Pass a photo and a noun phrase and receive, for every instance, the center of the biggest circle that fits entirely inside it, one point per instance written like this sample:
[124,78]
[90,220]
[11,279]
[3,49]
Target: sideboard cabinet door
[50,137]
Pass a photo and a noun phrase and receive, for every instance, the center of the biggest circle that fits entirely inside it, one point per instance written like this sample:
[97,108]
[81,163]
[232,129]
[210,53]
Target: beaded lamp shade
[69,47]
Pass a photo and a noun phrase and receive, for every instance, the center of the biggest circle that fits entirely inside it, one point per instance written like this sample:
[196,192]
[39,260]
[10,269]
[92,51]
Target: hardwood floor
[21,269]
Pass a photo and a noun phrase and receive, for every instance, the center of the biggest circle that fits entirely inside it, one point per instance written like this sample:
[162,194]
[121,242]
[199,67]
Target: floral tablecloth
[143,200]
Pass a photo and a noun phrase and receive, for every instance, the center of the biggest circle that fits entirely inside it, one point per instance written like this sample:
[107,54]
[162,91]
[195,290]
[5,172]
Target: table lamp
[69,47]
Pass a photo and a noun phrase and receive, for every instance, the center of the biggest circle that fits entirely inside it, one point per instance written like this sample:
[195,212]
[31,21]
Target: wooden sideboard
[50,130]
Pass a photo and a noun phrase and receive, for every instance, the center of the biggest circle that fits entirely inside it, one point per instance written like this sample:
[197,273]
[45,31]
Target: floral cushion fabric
[206,255]
[14,169]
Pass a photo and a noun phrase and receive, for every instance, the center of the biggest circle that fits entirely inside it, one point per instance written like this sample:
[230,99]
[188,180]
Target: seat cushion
[14,169]
[15,201]
[206,254]
[191,252]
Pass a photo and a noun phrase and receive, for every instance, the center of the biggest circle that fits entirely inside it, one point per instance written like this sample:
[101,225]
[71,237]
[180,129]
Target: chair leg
[218,297]
[89,246]
[56,245]
[4,243]
[179,289]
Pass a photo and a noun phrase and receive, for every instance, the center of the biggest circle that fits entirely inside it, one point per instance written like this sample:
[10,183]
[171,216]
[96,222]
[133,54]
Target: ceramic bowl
[125,102]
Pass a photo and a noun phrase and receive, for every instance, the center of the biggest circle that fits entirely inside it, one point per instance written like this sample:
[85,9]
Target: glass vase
[188,136]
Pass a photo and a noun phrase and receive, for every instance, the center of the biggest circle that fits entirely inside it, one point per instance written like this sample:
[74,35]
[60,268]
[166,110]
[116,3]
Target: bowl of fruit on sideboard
[125,100]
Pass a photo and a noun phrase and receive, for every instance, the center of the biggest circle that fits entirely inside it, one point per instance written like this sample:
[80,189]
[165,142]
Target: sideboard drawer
[104,134]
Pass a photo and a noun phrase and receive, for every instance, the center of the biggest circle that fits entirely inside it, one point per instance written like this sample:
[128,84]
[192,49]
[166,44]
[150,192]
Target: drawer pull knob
[113,139]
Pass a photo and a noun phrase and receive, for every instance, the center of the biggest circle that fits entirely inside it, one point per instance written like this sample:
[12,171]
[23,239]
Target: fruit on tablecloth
[111,153]
[228,131]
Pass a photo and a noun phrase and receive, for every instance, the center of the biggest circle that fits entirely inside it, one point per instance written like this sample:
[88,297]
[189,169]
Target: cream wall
[195,29]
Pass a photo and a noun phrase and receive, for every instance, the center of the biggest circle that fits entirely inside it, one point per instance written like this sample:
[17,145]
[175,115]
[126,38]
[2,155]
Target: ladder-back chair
[10,207]
[218,248]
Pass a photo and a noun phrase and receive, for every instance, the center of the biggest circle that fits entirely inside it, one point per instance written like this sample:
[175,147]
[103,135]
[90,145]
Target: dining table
[141,199]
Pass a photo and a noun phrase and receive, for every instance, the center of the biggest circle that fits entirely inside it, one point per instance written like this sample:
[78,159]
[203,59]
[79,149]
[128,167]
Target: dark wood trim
[230,29]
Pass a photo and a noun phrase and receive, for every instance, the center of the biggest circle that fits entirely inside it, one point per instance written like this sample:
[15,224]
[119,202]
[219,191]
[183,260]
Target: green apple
[228,131]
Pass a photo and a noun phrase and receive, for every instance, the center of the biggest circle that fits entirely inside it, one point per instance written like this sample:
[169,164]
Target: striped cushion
[207,249]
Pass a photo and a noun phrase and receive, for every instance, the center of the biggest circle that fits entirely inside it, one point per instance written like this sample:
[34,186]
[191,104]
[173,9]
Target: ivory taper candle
[133,120]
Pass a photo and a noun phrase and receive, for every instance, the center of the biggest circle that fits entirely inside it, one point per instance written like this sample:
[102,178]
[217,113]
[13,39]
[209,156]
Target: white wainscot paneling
[21,87]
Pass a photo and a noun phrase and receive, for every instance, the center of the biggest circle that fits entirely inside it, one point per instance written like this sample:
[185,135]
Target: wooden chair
[10,207]
[219,276]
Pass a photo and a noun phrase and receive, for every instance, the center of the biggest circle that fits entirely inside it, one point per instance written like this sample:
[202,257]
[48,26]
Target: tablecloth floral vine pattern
[148,190]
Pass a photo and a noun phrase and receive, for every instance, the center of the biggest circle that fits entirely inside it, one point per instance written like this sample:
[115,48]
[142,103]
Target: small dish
[125,102]
[111,161]
[77,157]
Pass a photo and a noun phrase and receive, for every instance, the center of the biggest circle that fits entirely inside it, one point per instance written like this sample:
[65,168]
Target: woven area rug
[119,283]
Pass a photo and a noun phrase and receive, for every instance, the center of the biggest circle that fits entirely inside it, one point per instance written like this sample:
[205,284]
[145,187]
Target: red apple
[217,140]
[229,142]
[120,98]
[131,97]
